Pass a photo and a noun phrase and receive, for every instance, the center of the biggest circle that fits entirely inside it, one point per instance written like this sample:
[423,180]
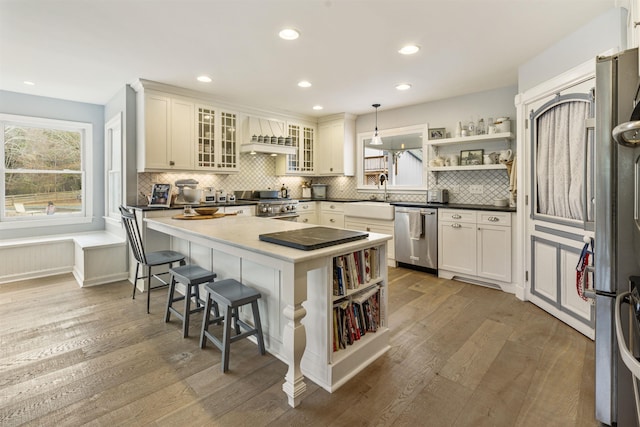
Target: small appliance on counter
[306,190]
[231,197]
[188,192]
[209,194]
[221,196]
[438,196]
[319,191]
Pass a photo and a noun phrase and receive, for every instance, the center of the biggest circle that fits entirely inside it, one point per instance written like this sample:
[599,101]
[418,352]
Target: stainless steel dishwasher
[416,237]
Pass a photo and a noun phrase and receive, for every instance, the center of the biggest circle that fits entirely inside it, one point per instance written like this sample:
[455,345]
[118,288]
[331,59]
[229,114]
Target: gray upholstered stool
[191,276]
[232,294]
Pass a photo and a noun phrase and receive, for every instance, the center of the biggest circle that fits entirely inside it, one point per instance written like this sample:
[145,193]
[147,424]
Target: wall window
[43,171]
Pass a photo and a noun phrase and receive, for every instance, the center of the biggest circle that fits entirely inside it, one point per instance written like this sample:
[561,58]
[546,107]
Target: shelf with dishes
[466,167]
[494,137]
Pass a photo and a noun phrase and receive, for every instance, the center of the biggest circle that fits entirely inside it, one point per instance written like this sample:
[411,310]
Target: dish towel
[513,176]
[415,225]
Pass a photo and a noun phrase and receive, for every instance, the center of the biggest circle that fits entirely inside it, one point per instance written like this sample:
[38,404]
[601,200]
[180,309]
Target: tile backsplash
[257,172]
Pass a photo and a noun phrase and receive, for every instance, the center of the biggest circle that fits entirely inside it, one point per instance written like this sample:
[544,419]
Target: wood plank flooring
[461,355]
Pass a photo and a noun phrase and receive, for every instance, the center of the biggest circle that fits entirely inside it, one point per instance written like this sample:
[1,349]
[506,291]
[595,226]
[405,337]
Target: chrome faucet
[382,179]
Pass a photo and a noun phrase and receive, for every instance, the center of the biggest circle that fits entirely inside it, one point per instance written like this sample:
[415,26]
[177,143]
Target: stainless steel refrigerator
[617,236]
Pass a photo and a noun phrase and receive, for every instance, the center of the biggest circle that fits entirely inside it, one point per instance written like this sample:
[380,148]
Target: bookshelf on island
[353,324]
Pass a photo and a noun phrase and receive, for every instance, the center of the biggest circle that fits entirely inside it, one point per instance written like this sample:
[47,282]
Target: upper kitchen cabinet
[302,161]
[165,132]
[217,148]
[336,145]
[177,133]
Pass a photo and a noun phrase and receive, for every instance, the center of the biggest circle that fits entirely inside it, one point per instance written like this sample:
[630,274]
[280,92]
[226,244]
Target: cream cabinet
[177,133]
[307,212]
[374,226]
[336,145]
[302,162]
[474,245]
[217,145]
[331,214]
[165,133]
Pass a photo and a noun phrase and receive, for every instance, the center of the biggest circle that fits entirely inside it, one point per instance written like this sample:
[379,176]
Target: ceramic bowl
[206,211]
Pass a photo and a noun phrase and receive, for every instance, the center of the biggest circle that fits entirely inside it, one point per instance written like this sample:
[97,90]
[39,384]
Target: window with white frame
[43,171]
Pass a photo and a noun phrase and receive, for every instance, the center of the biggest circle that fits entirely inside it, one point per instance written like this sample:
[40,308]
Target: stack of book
[353,270]
[354,317]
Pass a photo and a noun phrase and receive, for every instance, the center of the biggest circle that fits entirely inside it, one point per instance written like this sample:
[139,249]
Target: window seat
[94,258]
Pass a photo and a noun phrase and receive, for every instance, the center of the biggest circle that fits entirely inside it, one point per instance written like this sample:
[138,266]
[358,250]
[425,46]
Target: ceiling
[87,51]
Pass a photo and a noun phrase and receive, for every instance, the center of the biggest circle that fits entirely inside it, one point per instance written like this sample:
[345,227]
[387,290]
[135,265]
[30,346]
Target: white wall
[606,32]
[446,112]
[51,108]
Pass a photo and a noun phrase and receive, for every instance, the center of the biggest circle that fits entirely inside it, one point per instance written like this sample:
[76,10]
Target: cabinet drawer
[332,207]
[305,207]
[332,219]
[457,215]
[494,218]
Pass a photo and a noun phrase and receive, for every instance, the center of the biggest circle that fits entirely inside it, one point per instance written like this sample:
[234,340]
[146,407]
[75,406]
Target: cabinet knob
[455,225]
[172,163]
[305,207]
[305,220]
[368,229]
[493,219]
[332,220]
[456,216]
[332,206]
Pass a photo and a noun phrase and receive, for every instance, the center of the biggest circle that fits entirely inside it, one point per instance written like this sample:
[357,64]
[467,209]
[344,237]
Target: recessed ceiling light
[204,79]
[409,49]
[304,83]
[318,107]
[289,34]
[28,83]
[403,86]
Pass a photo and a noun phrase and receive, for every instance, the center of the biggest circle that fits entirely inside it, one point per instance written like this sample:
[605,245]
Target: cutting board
[216,215]
[308,239]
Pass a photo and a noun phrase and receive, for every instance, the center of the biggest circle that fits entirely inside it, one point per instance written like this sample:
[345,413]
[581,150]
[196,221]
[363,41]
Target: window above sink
[400,158]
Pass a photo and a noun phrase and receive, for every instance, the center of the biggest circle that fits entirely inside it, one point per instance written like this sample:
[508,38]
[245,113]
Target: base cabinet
[374,226]
[331,214]
[475,245]
[353,324]
[307,212]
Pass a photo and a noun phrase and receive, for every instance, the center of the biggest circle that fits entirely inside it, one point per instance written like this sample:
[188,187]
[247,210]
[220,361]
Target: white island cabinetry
[297,289]
[307,211]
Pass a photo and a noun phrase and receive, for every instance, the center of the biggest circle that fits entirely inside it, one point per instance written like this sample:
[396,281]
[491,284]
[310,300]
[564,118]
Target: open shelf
[466,168]
[472,139]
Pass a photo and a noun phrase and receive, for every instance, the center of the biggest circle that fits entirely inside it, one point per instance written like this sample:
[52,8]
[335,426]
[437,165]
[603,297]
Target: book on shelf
[366,254]
[355,317]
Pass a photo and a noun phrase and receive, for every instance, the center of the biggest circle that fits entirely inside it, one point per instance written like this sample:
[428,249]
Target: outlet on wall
[454,189]
[476,189]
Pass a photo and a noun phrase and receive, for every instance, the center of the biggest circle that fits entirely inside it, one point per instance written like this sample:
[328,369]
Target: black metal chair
[146,259]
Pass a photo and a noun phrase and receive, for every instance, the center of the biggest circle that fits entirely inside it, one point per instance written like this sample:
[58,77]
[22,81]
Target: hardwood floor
[461,355]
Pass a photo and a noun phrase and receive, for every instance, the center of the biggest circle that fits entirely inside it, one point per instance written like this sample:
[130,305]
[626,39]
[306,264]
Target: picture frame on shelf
[437,133]
[471,157]
[160,196]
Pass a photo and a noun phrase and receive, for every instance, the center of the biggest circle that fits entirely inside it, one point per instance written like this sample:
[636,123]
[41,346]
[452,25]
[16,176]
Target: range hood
[267,148]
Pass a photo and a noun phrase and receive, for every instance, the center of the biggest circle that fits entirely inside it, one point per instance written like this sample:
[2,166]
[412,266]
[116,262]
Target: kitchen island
[297,290]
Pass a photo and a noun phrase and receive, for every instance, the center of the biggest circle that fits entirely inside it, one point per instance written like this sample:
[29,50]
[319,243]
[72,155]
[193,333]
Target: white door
[559,199]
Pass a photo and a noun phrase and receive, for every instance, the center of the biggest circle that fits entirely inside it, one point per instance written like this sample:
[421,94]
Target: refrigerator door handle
[625,354]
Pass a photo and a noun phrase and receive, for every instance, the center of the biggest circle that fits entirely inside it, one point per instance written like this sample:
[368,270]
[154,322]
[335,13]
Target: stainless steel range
[277,208]
[270,204]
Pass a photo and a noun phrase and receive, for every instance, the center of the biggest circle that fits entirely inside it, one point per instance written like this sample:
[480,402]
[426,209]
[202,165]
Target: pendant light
[376,140]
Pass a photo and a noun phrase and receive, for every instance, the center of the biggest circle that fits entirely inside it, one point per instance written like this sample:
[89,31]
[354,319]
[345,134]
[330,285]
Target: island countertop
[243,232]
[286,278]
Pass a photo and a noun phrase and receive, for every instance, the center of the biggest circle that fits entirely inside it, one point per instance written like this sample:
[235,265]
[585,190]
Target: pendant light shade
[376,140]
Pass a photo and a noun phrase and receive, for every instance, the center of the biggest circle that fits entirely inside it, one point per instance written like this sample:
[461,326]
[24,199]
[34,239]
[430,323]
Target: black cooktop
[308,239]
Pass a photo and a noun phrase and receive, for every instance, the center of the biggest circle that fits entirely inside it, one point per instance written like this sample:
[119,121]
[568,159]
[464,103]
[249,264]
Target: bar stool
[191,276]
[232,294]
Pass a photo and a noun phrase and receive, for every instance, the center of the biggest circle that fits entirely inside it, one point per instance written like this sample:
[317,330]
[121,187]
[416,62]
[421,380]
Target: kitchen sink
[369,209]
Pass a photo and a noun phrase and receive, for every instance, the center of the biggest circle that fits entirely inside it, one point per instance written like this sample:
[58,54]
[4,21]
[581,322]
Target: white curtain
[560,157]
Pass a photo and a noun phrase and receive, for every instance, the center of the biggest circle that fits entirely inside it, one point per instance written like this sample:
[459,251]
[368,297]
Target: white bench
[94,258]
